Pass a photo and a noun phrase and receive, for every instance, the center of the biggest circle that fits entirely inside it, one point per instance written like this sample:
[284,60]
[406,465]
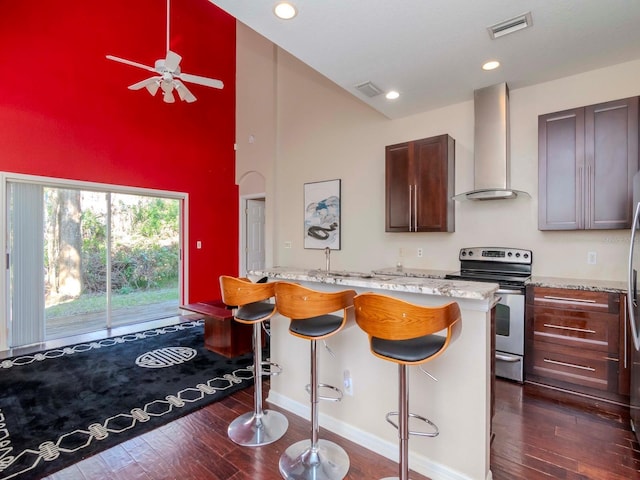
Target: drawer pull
[568,299]
[573,329]
[572,365]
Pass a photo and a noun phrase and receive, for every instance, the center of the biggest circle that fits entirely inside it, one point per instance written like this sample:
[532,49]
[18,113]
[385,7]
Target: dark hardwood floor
[541,434]
[535,437]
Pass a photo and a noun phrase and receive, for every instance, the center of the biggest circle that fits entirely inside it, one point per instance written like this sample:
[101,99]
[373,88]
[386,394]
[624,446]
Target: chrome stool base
[328,461]
[251,430]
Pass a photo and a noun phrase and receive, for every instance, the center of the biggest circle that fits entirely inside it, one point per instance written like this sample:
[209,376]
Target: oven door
[510,335]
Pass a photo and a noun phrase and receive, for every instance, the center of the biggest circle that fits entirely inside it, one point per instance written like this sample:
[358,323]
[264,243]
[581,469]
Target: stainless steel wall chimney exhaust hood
[491,178]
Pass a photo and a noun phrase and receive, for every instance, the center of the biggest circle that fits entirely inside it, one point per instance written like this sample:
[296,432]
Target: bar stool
[313,318]
[259,427]
[403,333]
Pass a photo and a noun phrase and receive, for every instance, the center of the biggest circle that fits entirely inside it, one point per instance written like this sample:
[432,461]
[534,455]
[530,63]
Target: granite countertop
[411,272]
[432,282]
[611,286]
[392,282]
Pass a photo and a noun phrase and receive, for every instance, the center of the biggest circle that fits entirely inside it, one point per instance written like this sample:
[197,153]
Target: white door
[255,256]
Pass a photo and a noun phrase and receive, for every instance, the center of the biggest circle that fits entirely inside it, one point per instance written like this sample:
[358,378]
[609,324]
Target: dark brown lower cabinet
[576,341]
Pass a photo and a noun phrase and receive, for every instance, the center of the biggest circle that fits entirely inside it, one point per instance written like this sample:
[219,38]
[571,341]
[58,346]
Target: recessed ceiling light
[491,65]
[285,10]
[392,95]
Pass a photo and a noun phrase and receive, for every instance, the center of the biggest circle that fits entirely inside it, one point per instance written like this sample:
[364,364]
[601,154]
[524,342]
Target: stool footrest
[434,433]
[338,392]
[272,369]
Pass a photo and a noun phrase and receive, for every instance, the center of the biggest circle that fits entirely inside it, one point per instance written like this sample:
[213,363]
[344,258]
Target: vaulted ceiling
[431,51]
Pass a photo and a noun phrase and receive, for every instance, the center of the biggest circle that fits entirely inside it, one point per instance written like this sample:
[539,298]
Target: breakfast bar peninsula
[458,401]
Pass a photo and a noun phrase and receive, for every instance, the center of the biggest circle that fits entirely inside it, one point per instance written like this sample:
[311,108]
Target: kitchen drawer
[572,365]
[576,300]
[584,329]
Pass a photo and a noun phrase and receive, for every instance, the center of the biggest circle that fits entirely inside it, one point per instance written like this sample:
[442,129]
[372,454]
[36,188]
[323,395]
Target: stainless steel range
[510,268]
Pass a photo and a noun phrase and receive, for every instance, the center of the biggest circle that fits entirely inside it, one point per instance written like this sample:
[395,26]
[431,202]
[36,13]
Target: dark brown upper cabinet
[420,185]
[587,158]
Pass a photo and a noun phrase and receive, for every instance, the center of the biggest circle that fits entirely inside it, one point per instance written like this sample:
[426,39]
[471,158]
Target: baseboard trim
[419,463]
[574,394]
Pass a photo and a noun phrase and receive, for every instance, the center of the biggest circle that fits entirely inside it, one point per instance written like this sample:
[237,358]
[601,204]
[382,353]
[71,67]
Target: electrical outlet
[592,258]
[419,253]
[347,383]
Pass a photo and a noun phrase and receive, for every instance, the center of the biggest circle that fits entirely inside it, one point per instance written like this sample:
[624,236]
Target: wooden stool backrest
[298,302]
[390,318]
[241,291]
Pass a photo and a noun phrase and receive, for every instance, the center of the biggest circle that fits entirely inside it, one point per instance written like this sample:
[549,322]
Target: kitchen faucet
[327,254]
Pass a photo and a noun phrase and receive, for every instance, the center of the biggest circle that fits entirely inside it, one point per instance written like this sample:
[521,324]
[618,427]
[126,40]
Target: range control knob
[518,255]
[463,253]
[509,254]
[526,255]
[471,253]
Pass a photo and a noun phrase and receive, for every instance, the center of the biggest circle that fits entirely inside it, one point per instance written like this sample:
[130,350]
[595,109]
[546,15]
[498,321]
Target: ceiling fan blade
[184,92]
[133,64]
[207,82]
[145,83]
[172,61]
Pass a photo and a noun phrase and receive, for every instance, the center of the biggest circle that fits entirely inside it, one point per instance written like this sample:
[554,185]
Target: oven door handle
[509,291]
[508,358]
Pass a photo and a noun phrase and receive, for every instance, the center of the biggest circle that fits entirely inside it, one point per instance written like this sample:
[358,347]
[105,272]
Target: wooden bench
[222,334]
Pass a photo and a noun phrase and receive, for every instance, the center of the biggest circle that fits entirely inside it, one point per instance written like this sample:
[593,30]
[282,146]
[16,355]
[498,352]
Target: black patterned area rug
[60,406]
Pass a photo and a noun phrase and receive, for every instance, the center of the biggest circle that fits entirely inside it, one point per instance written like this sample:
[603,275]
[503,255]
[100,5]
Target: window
[83,257]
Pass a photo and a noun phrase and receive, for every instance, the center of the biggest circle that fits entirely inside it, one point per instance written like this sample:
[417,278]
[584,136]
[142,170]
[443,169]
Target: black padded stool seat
[313,318]
[405,333]
[411,350]
[259,427]
[316,326]
[255,312]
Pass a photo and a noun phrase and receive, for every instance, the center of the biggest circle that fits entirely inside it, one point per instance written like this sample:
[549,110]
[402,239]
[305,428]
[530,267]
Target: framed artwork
[322,215]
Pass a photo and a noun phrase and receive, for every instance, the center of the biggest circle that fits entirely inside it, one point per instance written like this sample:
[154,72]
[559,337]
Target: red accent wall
[66,112]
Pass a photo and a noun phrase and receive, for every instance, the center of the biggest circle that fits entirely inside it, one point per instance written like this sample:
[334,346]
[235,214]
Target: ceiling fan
[168,76]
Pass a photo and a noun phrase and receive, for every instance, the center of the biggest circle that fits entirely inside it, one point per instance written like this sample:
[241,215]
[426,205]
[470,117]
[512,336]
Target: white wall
[317,131]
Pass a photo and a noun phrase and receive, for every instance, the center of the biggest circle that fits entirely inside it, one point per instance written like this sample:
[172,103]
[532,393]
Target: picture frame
[322,221]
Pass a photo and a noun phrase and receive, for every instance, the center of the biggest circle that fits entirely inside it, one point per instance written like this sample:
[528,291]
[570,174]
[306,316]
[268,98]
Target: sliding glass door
[81,260]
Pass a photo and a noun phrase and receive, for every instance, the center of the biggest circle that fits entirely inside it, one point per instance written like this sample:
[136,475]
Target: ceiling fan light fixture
[285,10]
[153,87]
[168,75]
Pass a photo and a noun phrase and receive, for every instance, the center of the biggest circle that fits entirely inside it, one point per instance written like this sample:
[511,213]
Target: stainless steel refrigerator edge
[633,306]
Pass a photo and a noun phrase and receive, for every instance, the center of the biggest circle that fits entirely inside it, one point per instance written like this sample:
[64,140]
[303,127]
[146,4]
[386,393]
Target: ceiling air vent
[369,89]
[509,26]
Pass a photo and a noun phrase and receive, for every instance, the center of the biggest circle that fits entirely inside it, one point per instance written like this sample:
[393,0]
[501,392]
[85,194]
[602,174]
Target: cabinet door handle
[588,196]
[410,205]
[569,299]
[624,323]
[573,329]
[415,208]
[572,365]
